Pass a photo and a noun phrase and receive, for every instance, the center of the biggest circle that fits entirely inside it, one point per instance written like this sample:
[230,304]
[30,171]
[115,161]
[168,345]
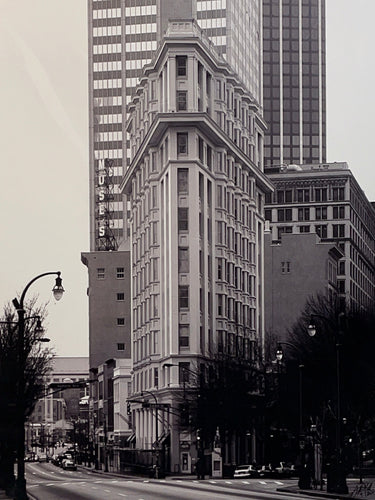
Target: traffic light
[128,409]
[184,414]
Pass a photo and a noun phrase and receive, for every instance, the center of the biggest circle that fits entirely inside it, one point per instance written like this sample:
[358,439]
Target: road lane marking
[122,495]
[228,482]
[278,482]
[245,482]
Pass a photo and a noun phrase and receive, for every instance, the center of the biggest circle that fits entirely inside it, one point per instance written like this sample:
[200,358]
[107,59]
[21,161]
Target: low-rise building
[327,200]
[298,266]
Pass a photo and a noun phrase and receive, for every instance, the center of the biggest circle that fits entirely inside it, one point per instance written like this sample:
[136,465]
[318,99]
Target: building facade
[297,266]
[195,187]
[326,199]
[109,305]
[294,81]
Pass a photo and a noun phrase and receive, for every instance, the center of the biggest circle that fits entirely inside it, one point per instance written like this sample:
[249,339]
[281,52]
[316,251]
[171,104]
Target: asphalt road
[48,482]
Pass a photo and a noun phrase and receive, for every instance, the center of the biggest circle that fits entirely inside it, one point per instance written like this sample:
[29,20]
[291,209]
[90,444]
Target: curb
[316,493]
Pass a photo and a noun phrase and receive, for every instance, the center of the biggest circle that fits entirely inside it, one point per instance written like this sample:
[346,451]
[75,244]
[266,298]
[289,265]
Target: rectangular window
[338,194]
[342,267]
[120,273]
[303,195]
[184,373]
[183,335]
[320,194]
[338,230]
[219,269]
[341,285]
[100,273]
[321,213]
[183,180]
[304,229]
[268,214]
[183,297]
[201,149]
[220,310]
[304,214]
[321,231]
[121,346]
[182,143]
[339,212]
[209,157]
[183,219]
[120,297]
[156,377]
[120,321]
[285,267]
[284,214]
[280,196]
[183,260]
[181,65]
[181,99]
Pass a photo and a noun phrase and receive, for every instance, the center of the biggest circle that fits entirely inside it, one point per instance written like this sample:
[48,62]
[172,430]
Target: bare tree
[37,364]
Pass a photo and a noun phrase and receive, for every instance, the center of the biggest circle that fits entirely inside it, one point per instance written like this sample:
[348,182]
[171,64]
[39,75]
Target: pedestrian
[200,468]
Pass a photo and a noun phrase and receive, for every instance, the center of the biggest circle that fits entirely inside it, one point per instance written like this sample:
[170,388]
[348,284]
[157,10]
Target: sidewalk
[357,490]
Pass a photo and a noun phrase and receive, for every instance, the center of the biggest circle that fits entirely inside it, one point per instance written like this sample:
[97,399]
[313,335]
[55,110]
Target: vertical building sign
[105,239]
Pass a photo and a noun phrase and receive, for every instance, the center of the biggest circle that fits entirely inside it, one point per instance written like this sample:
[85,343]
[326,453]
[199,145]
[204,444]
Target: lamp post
[337,482]
[156,431]
[304,480]
[58,290]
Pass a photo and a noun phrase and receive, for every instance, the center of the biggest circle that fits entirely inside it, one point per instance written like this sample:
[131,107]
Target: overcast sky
[44,143]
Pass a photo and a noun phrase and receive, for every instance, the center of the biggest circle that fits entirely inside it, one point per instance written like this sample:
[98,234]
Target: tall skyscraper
[123,37]
[294,81]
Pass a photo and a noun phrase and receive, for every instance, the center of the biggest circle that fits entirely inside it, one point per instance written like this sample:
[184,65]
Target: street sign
[67,385]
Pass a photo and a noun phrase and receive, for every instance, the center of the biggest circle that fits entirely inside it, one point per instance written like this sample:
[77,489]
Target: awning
[131,438]
[164,438]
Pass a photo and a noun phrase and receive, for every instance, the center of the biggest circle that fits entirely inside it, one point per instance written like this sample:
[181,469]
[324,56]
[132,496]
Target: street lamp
[58,290]
[338,476]
[304,480]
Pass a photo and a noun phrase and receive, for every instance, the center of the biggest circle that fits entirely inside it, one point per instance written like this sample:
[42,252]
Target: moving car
[68,464]
[245,471]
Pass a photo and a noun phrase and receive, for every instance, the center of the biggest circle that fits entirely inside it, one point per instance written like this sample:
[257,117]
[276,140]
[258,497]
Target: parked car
[245,471]
[266,471]
[282,469]
[68,464]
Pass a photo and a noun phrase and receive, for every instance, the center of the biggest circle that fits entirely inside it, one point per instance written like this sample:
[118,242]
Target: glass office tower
[294,81]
